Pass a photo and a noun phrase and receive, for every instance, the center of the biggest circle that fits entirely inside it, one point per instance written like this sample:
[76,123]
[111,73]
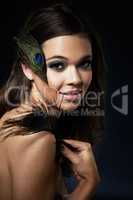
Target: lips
[71,95]
[72,92]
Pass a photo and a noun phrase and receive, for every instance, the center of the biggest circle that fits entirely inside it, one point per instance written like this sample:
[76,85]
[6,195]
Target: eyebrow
[64,58]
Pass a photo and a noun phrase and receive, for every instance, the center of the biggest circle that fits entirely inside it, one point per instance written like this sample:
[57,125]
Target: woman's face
[69,72]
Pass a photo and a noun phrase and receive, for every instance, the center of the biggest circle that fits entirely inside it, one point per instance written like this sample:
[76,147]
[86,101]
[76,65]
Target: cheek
[54,79]
[87,78]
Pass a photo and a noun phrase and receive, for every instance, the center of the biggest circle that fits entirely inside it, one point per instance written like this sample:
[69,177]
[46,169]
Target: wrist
[84,191]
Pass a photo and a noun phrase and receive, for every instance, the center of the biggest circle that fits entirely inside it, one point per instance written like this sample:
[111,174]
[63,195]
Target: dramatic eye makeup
[85,64]
[59,65]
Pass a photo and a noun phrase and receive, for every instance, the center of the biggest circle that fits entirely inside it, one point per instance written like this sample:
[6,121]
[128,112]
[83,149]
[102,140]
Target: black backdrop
[113,22]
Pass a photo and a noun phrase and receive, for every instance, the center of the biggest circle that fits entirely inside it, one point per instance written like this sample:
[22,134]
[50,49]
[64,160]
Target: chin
[68,107]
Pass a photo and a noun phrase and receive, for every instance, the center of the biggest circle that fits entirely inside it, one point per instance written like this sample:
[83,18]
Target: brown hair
[57,20]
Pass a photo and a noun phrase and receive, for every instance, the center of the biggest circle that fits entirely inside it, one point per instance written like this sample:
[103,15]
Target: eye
[58,66]
[87,64]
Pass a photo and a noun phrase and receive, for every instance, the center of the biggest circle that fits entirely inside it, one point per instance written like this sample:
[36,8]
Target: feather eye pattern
[29,47]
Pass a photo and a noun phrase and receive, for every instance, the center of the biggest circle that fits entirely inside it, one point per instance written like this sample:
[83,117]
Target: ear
[27,71]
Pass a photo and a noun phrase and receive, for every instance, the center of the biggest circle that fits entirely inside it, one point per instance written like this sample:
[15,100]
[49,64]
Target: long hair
[44,24]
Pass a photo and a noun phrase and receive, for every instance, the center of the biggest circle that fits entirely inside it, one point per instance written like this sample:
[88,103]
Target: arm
[84,168]
[83,191]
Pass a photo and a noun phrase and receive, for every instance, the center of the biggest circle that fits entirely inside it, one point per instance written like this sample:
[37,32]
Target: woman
[42,138]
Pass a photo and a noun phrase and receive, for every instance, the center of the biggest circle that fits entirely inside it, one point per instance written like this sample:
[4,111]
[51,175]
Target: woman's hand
[84,168]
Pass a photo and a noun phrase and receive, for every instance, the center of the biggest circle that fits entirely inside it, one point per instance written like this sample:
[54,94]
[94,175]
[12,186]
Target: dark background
[113,23]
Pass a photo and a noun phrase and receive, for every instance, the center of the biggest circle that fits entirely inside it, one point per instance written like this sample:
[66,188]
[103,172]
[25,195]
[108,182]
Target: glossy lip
[71,94]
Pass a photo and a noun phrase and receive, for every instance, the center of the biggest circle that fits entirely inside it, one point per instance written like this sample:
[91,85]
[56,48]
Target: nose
[73,76]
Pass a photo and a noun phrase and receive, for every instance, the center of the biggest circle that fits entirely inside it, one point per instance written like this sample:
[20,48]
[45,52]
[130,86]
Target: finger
[72,148]
[78,144]
[70,154]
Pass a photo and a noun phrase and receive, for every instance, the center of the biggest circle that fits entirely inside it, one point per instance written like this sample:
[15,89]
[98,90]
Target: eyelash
[56,65]
[84,66]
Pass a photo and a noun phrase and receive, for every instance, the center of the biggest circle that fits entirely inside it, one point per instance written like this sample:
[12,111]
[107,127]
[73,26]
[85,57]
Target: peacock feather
[30,49]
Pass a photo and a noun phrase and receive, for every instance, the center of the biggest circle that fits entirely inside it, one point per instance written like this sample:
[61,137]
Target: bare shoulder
[31,161]
[5,181]
[25,140]
[21,143]
[20,146]
[3,160]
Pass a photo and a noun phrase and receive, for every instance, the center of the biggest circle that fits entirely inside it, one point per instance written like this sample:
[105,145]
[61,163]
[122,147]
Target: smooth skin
[28,170]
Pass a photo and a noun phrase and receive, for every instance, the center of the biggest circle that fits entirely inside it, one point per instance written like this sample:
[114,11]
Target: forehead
[70,46]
